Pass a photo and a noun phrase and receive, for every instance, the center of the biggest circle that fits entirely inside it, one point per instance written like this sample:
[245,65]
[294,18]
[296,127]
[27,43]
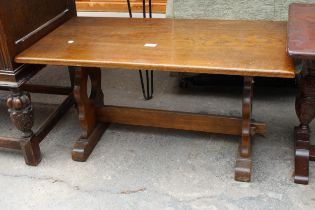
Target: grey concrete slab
[147,168]
[231,9]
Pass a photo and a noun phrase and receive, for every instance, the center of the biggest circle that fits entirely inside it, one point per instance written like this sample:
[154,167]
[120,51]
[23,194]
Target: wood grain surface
[246,48]
[301,29]
[175,120]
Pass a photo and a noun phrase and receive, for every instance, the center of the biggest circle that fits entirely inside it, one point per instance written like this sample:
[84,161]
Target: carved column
[21,111]
[305,110]
[21,114]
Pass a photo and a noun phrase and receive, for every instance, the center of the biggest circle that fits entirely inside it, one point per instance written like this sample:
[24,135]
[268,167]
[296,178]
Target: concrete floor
[147,168]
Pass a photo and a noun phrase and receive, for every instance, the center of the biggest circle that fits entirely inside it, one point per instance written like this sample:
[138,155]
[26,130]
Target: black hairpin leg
[129,8]
[147,90]
[150,8]
[144,9]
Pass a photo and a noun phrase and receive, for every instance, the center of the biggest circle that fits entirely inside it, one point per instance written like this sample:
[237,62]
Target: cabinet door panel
[26,21]
[22,23]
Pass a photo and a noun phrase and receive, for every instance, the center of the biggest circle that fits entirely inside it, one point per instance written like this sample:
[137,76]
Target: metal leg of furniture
[243,161]
[71,71]
[147,88]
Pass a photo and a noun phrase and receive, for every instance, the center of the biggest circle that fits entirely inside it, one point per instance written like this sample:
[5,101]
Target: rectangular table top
[301,27]
[246,48]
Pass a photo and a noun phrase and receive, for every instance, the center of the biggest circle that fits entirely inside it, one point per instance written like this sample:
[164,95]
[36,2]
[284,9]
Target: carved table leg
[21,114]
[305,110]
[91,131]
[243,160]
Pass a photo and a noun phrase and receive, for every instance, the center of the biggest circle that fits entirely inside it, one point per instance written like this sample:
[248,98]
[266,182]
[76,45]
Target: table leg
[243,160]
[305,110]
[21,114]
[91,131]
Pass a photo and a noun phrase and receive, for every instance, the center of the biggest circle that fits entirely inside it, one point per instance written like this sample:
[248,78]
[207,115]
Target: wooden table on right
[301,46]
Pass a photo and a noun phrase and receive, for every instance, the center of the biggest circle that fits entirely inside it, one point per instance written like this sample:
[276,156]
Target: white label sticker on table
[150,45]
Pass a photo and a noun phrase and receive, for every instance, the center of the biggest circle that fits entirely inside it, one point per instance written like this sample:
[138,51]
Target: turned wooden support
[92,111]
[22,116]
[91,131]
[21,111]
[243,160]
[305,110]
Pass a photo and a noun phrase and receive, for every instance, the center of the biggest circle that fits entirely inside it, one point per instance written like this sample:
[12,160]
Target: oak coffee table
[245,48]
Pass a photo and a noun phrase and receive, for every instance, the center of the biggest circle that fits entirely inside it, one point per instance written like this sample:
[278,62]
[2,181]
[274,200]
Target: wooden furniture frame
[302,48]
[22,23]
[244,48]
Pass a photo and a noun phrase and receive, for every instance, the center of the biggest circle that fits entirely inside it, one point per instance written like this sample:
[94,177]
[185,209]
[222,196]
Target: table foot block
[302,158]
[301,179]
[243,169]
[31,151]
[84,146]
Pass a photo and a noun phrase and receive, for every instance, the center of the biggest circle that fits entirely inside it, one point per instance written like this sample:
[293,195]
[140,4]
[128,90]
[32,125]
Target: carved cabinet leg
[305,110]
[243,160]
[91,131]
[21,114]
[302,154]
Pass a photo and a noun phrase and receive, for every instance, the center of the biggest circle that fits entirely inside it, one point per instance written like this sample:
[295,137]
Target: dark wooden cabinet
[22,23]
